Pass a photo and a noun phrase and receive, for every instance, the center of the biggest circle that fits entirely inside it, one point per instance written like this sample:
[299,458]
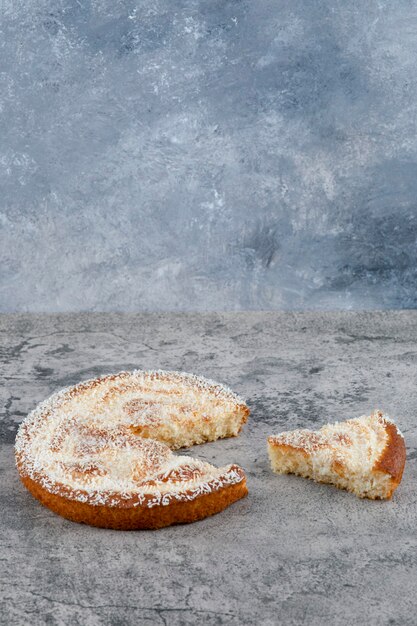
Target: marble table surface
[292,552]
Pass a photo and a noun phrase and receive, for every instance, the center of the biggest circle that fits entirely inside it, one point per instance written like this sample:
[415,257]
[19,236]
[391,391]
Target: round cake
[100,452]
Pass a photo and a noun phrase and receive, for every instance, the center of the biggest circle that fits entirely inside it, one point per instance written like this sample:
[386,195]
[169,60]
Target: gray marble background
[212,154]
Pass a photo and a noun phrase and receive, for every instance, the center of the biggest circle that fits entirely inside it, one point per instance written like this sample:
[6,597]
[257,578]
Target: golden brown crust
[244,411]
[127,501]
[392,461]
[138,517]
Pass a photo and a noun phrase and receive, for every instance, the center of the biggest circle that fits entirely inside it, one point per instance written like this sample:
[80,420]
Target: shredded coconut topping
[358,440]
[101,441]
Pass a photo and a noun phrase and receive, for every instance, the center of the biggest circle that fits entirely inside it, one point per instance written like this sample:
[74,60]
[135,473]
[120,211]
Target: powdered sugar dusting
[84,440]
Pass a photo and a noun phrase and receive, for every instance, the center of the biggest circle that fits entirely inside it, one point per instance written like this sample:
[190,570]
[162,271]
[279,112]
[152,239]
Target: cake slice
[365,456]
